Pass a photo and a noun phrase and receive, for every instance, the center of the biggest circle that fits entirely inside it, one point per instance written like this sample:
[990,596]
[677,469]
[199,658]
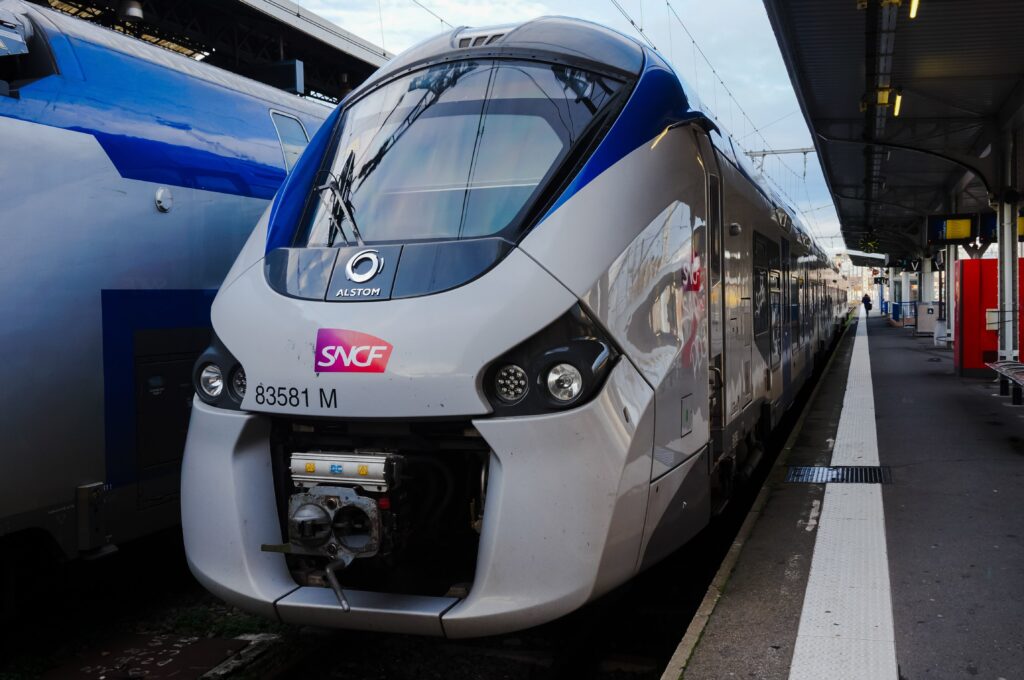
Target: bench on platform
[1010,372]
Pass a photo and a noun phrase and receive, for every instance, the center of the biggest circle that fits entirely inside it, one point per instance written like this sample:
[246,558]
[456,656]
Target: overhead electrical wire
[633,23]
[431,13]
[755,130]
[717,80]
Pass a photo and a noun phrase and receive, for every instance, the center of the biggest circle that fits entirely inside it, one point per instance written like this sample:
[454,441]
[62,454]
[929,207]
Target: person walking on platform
[867,304]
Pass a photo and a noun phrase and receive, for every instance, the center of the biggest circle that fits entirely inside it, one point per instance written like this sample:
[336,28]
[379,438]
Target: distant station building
[273,41]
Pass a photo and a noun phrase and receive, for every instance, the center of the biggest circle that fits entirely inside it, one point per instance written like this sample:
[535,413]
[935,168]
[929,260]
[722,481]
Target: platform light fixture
[130,10]
[899,104]
[913,8]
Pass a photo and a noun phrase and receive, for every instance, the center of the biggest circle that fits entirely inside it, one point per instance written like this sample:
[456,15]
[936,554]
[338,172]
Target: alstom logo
[341,351]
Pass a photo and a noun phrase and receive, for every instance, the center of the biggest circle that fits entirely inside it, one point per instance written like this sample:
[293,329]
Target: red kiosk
[976,341]
[976,289]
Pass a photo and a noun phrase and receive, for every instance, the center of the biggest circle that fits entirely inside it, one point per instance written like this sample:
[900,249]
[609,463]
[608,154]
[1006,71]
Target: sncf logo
[341,351]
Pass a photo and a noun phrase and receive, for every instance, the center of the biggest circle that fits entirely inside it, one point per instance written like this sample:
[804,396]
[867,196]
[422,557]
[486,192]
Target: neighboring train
[507,336]
[130,177]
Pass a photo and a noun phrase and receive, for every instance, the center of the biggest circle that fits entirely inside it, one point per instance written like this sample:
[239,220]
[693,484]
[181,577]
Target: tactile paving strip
[846,625]
[849,474]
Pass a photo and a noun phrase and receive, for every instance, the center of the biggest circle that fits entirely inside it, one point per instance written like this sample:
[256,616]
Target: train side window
[761,302]
[292,136]
[795,300]
[24,55]
[715,229]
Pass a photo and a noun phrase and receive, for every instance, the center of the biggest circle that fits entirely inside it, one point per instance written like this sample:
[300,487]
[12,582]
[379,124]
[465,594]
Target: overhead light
[130,10]
[899,103]
[913,8]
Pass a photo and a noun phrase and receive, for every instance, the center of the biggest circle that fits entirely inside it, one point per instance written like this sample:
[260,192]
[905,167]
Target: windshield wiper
[333,209]
[341,208]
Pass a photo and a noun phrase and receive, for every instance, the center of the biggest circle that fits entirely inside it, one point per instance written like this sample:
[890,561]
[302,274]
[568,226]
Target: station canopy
[910,116]
[274,41]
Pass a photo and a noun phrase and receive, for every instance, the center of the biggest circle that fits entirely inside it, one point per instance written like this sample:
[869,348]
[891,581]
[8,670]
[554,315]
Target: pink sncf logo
[341,351]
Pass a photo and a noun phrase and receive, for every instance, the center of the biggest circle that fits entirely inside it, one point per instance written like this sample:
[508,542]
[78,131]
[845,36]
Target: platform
[920,577]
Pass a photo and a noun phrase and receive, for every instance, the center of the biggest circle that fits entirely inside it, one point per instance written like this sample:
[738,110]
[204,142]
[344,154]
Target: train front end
[405,423]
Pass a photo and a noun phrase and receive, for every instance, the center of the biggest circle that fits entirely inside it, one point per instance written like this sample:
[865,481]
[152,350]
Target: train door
[767,302]
[716,313]
[786,293]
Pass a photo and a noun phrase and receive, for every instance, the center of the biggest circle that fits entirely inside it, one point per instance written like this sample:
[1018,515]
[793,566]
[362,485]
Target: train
[130,178]
[509,334]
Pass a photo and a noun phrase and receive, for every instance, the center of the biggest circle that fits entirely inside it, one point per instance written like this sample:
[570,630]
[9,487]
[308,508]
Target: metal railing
[905,312]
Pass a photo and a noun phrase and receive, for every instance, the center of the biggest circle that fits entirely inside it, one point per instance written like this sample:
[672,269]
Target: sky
[735,35]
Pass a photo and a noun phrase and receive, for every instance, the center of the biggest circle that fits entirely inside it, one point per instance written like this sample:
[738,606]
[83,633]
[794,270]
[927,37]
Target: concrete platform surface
[953,528]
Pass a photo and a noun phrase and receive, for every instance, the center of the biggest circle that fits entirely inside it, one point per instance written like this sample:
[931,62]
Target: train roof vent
[480,37]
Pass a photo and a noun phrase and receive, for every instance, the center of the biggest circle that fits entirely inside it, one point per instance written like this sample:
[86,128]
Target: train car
[130,177]
[507,336]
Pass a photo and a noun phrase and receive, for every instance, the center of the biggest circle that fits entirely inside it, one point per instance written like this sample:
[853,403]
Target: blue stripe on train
[659,100]
[124,313]
[159,125]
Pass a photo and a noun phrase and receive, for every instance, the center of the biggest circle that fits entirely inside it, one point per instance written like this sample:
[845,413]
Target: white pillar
[927,287]
[1008,291]
[892,288]
[952,255]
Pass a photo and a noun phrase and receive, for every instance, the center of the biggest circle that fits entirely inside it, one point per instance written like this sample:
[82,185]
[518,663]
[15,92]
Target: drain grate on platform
[864,474]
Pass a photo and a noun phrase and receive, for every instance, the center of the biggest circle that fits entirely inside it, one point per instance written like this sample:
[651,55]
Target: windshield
[455,151]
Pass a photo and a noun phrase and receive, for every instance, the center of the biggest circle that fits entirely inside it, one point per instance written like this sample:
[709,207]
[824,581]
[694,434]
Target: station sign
[904,264]
[989,232]
[965,228]
[952,229]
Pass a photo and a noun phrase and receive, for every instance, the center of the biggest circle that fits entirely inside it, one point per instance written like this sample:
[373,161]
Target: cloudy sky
[734,34]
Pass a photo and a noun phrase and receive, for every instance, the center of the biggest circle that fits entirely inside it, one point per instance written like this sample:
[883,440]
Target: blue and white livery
[130,177]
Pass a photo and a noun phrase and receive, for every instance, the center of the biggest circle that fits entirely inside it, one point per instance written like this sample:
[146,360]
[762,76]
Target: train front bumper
[563,521]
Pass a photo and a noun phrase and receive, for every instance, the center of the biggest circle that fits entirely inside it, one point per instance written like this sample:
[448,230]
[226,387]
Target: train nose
[409,357]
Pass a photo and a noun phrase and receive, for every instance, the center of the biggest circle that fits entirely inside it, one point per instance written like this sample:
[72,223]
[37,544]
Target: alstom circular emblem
[371,256]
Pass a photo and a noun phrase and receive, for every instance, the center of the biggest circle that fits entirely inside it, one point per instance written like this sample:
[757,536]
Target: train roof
[89,32]
[732,152]
[555,37]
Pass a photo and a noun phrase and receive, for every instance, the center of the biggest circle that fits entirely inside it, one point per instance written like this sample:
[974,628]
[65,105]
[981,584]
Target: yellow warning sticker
[310,467]
[363,470]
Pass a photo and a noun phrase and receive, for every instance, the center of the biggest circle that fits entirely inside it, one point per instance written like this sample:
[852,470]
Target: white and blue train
[130,177]
[509,332]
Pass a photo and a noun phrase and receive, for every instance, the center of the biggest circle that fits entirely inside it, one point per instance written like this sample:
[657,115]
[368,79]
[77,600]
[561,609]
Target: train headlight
[561,366]
[211,381]
[218,378]
[565,382]
[238,382]
[511,383]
